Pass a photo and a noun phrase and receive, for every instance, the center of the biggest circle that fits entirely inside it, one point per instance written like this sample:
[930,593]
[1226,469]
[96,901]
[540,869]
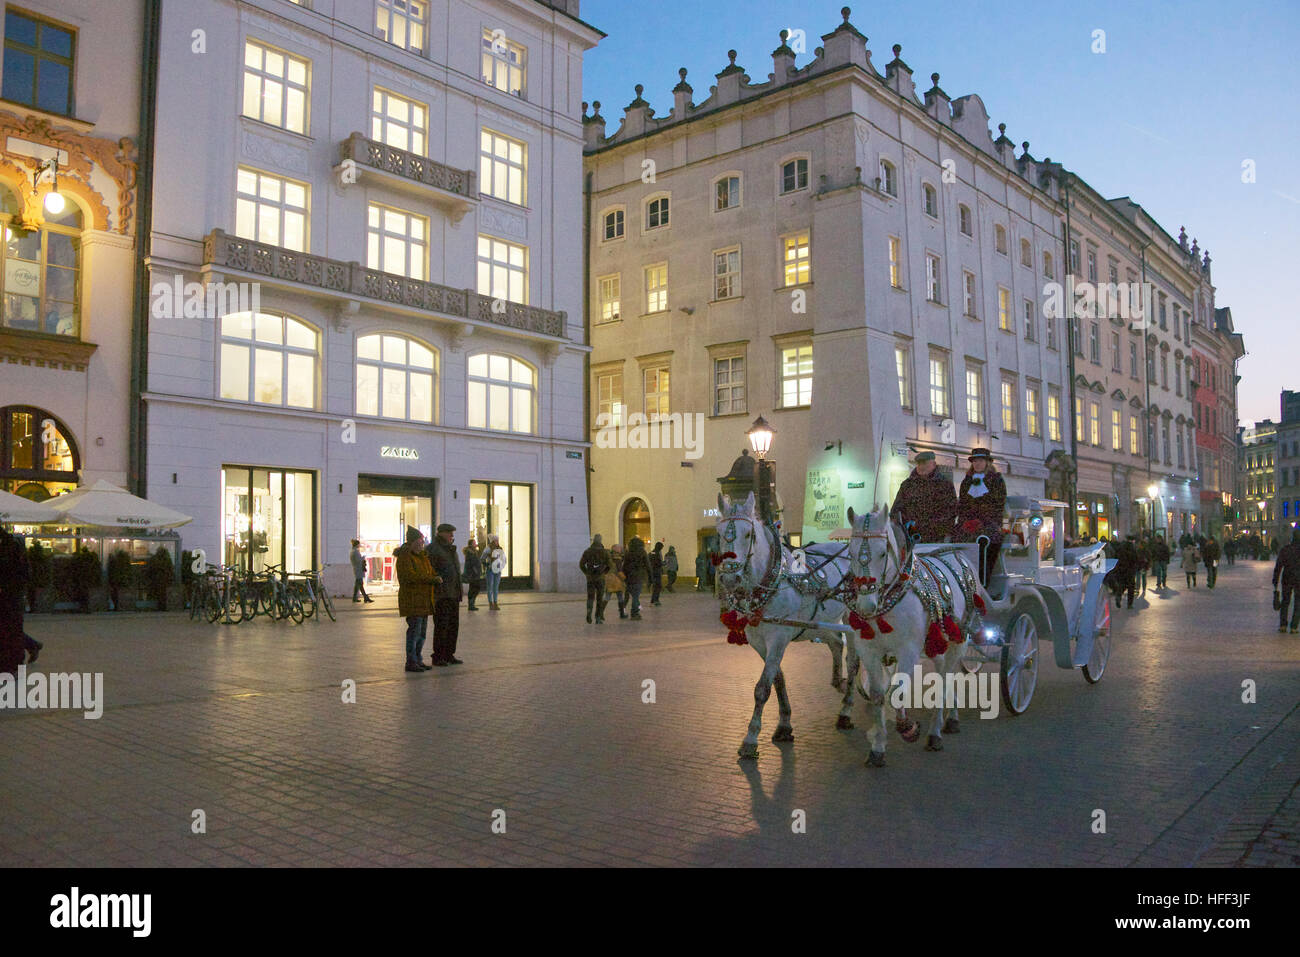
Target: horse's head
[742,543]
[874,556]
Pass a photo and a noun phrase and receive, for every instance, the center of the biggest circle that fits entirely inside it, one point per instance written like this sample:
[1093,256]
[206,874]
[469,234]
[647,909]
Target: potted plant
[74,577]
[159,574]
[120,576]
[38,560]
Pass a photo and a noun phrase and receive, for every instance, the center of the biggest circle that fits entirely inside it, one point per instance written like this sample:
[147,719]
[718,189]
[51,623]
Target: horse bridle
[735,567]
[871,585]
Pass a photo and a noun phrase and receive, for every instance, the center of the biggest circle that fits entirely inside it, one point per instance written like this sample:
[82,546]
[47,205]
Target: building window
[1009,408]
[609,398]
[503,168]
[1133,360]
[1053,415]
[1164,441]
[1004,309]
[895,262]
[974,395]
[1078,419]
[40,270]
[611,297]
[1094,343]
[396,242]
[270,359]
[1000,239]
[503,63]
[1092,264]
[1026,254]
[613,225]
[1116,359]
[502,393]
[402,22]
[1164,371]
[1134,447]
[1094,424]
[1047,266]
[939,386]
[38,63]
[1031,411]
[933,290]
[931,200]
[1178,377]
[726,274]
[1031,321]
[398,122]
[1051,332]
[656,287]
[655,382]
[1178,333]
[271,210]
[1164,319]
[798,259]
[395,378]
[888,178]
[968,292]
[964,220]
[903,366]
[1116,431]
[794,175]
[502,270]
[726,193]
[728,385]
[1074,257]
[275,87]
[656,212]
[1179,437]
[796,375]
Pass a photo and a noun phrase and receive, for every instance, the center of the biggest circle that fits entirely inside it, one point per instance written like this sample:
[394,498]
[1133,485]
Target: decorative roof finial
[1025,146]
[1002,128]
[595,105]
[639,90]
[934,78]
[731,55]
[682,73]
[584,107]
[844,12]
[898,48]
[784,34]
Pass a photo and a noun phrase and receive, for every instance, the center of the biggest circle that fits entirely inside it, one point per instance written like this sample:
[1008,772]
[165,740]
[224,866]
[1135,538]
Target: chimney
[899,75]
[593,127]
[937,103]
[730,81]
[844,44]
[1006,149]
[782,61]
[681,96]
[635,114]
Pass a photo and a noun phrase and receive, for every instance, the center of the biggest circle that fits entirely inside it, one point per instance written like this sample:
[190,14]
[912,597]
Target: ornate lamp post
[1152,492]
[760,438]
[1262,505]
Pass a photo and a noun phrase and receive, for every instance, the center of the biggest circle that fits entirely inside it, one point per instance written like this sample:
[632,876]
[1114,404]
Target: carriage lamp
[760,437]
[1153,491]
[1036,522]
[54,202]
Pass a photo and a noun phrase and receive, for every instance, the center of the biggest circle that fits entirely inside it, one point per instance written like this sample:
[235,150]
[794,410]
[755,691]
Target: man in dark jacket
[1210,553]
[473,574]
[1123,577]
[1144,563]
[981,504]
[414,580]
[656,572]
[446,595]
[635,569]
[1287,570]
[927,500]
[14,574]
[594,564]
[1160,558]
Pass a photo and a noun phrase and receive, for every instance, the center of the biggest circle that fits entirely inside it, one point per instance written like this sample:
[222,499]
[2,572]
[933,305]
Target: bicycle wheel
[325,600]
[211,604]
[306,598]
[295,609]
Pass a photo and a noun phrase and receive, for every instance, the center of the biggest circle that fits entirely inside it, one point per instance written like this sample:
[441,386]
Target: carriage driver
[927,500]
[980,508]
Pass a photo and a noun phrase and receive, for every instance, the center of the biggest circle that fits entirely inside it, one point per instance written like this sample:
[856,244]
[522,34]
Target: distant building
[1258,512]
[1217,349]
[1288,466]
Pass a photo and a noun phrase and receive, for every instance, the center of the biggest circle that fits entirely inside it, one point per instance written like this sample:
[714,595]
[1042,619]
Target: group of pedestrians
[624,574]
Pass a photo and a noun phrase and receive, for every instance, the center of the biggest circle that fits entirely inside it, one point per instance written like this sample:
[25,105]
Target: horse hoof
[844,723]
[934,743]
[782,734]
[876,759]
[909,730]
[951,726]
[748,751]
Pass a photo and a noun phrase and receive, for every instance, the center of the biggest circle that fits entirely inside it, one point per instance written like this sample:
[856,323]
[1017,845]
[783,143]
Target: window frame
[929,200]
[262,76]
[940,361]
[965,221]
[409,245]
[493,263]
[734,285]
[664,212]
[800,264]
[281,206]
[661,289]
[794,160]
[602,302]
[488,51]
[385,121]
[975,400]
[488,163]
[730,356]
[38,54]
[620,223]
[407,370]
[740,191]
[888,177]
[1054,402]
[393,14]
[511,384]
[253,345]
[797,345]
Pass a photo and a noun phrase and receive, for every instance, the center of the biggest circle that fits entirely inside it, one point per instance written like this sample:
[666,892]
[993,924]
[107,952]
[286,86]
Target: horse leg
[845,721]
[875,672]
[952,664]
[783,732]
[837,669]
[771,665]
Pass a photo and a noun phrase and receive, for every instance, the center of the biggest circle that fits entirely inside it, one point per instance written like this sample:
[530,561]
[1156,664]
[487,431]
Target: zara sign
[398,452]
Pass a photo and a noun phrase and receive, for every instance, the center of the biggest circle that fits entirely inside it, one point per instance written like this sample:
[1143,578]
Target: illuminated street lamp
[54,202]
[760,437]
[1152,491]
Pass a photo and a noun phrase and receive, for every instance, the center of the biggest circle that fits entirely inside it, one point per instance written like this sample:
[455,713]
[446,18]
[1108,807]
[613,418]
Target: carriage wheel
[1096,665]
[1020,661]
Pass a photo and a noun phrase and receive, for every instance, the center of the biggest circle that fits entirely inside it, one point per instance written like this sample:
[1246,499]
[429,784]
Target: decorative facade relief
[269,152]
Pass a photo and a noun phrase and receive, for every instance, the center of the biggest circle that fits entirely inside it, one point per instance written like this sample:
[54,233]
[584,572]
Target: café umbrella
[16,510]
[106,505]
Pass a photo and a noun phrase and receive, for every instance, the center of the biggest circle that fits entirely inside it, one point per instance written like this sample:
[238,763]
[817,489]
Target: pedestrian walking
[656,572]
[414,595]
[447,594]
[1230,551]
[670,567]
[636,569]
[1144,563]
[927,501]
[14,575]
[981,503]
[1191,558]
[473,572]
[615,581]
[359,571]
[1287,573]
[1210,553]
[1160,558]
[701,572]
[594,564]
[494,563]
[1122,579]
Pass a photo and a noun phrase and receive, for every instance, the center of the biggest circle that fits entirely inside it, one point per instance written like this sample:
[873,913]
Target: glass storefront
[504,509]
[1095,515]
[268,518]
[385,507]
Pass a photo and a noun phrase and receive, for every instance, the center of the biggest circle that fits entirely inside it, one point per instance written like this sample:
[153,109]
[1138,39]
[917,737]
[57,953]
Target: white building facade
[365,263]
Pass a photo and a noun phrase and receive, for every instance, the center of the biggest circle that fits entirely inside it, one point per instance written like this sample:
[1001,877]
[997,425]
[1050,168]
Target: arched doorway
[635,520]
[38,456]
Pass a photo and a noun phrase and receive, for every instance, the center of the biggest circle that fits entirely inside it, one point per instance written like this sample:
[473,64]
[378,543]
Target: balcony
[455,190]
[353,285]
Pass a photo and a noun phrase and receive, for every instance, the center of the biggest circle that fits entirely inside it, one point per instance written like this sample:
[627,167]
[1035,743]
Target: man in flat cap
[981,503]
[446,595]
[927,500]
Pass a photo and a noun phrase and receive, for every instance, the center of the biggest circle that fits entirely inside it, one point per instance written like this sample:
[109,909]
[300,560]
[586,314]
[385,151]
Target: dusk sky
[1185,93]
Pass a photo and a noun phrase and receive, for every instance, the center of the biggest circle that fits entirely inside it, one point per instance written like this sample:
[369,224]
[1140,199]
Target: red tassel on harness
[862,625]
[979,603]
[735,627]
[884,626]
[953,630]
[719,559]
[934,641]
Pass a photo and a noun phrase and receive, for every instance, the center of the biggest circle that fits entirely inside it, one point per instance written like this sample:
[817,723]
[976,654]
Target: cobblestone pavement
[545,721]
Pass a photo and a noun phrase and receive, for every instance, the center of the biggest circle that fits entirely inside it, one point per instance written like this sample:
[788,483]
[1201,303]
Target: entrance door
[505,509]
[636,521]
[269,518]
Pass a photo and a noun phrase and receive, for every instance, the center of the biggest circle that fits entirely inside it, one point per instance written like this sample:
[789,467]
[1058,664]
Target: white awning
[16,510]
[105,504]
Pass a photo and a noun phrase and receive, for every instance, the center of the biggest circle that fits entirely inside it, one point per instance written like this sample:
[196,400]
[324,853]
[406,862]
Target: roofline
[575,19]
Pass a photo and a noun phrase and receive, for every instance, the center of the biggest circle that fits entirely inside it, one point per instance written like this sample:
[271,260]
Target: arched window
[502,394]
[888,178]
[1000,239]
[931,200]
[396,378]
[964,220]
[269,358]
[1026,254]
[1047,265]
[38,457]
[41,268]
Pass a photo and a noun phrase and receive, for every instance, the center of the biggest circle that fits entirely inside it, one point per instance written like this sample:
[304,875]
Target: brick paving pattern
[545,721]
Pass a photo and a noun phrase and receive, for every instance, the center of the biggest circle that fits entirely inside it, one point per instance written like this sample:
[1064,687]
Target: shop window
[38,458]
[268,518]
[40,270]
[505,509]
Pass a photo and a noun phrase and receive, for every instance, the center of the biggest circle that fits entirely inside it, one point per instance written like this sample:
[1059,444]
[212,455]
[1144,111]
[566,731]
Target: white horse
[768,593]
[907,606]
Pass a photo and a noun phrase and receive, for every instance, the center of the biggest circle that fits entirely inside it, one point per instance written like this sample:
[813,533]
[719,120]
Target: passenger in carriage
[927,500]
[980,507]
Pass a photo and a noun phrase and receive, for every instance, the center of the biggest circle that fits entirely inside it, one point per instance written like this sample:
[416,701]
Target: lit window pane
[367,390]
[394,393]
[421,397]
[302,381]
[234,372]
[477,413]
[498,407]
[368,347]
[499,367]
[270,328]
[268,376]
[523,409]
[300,335]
